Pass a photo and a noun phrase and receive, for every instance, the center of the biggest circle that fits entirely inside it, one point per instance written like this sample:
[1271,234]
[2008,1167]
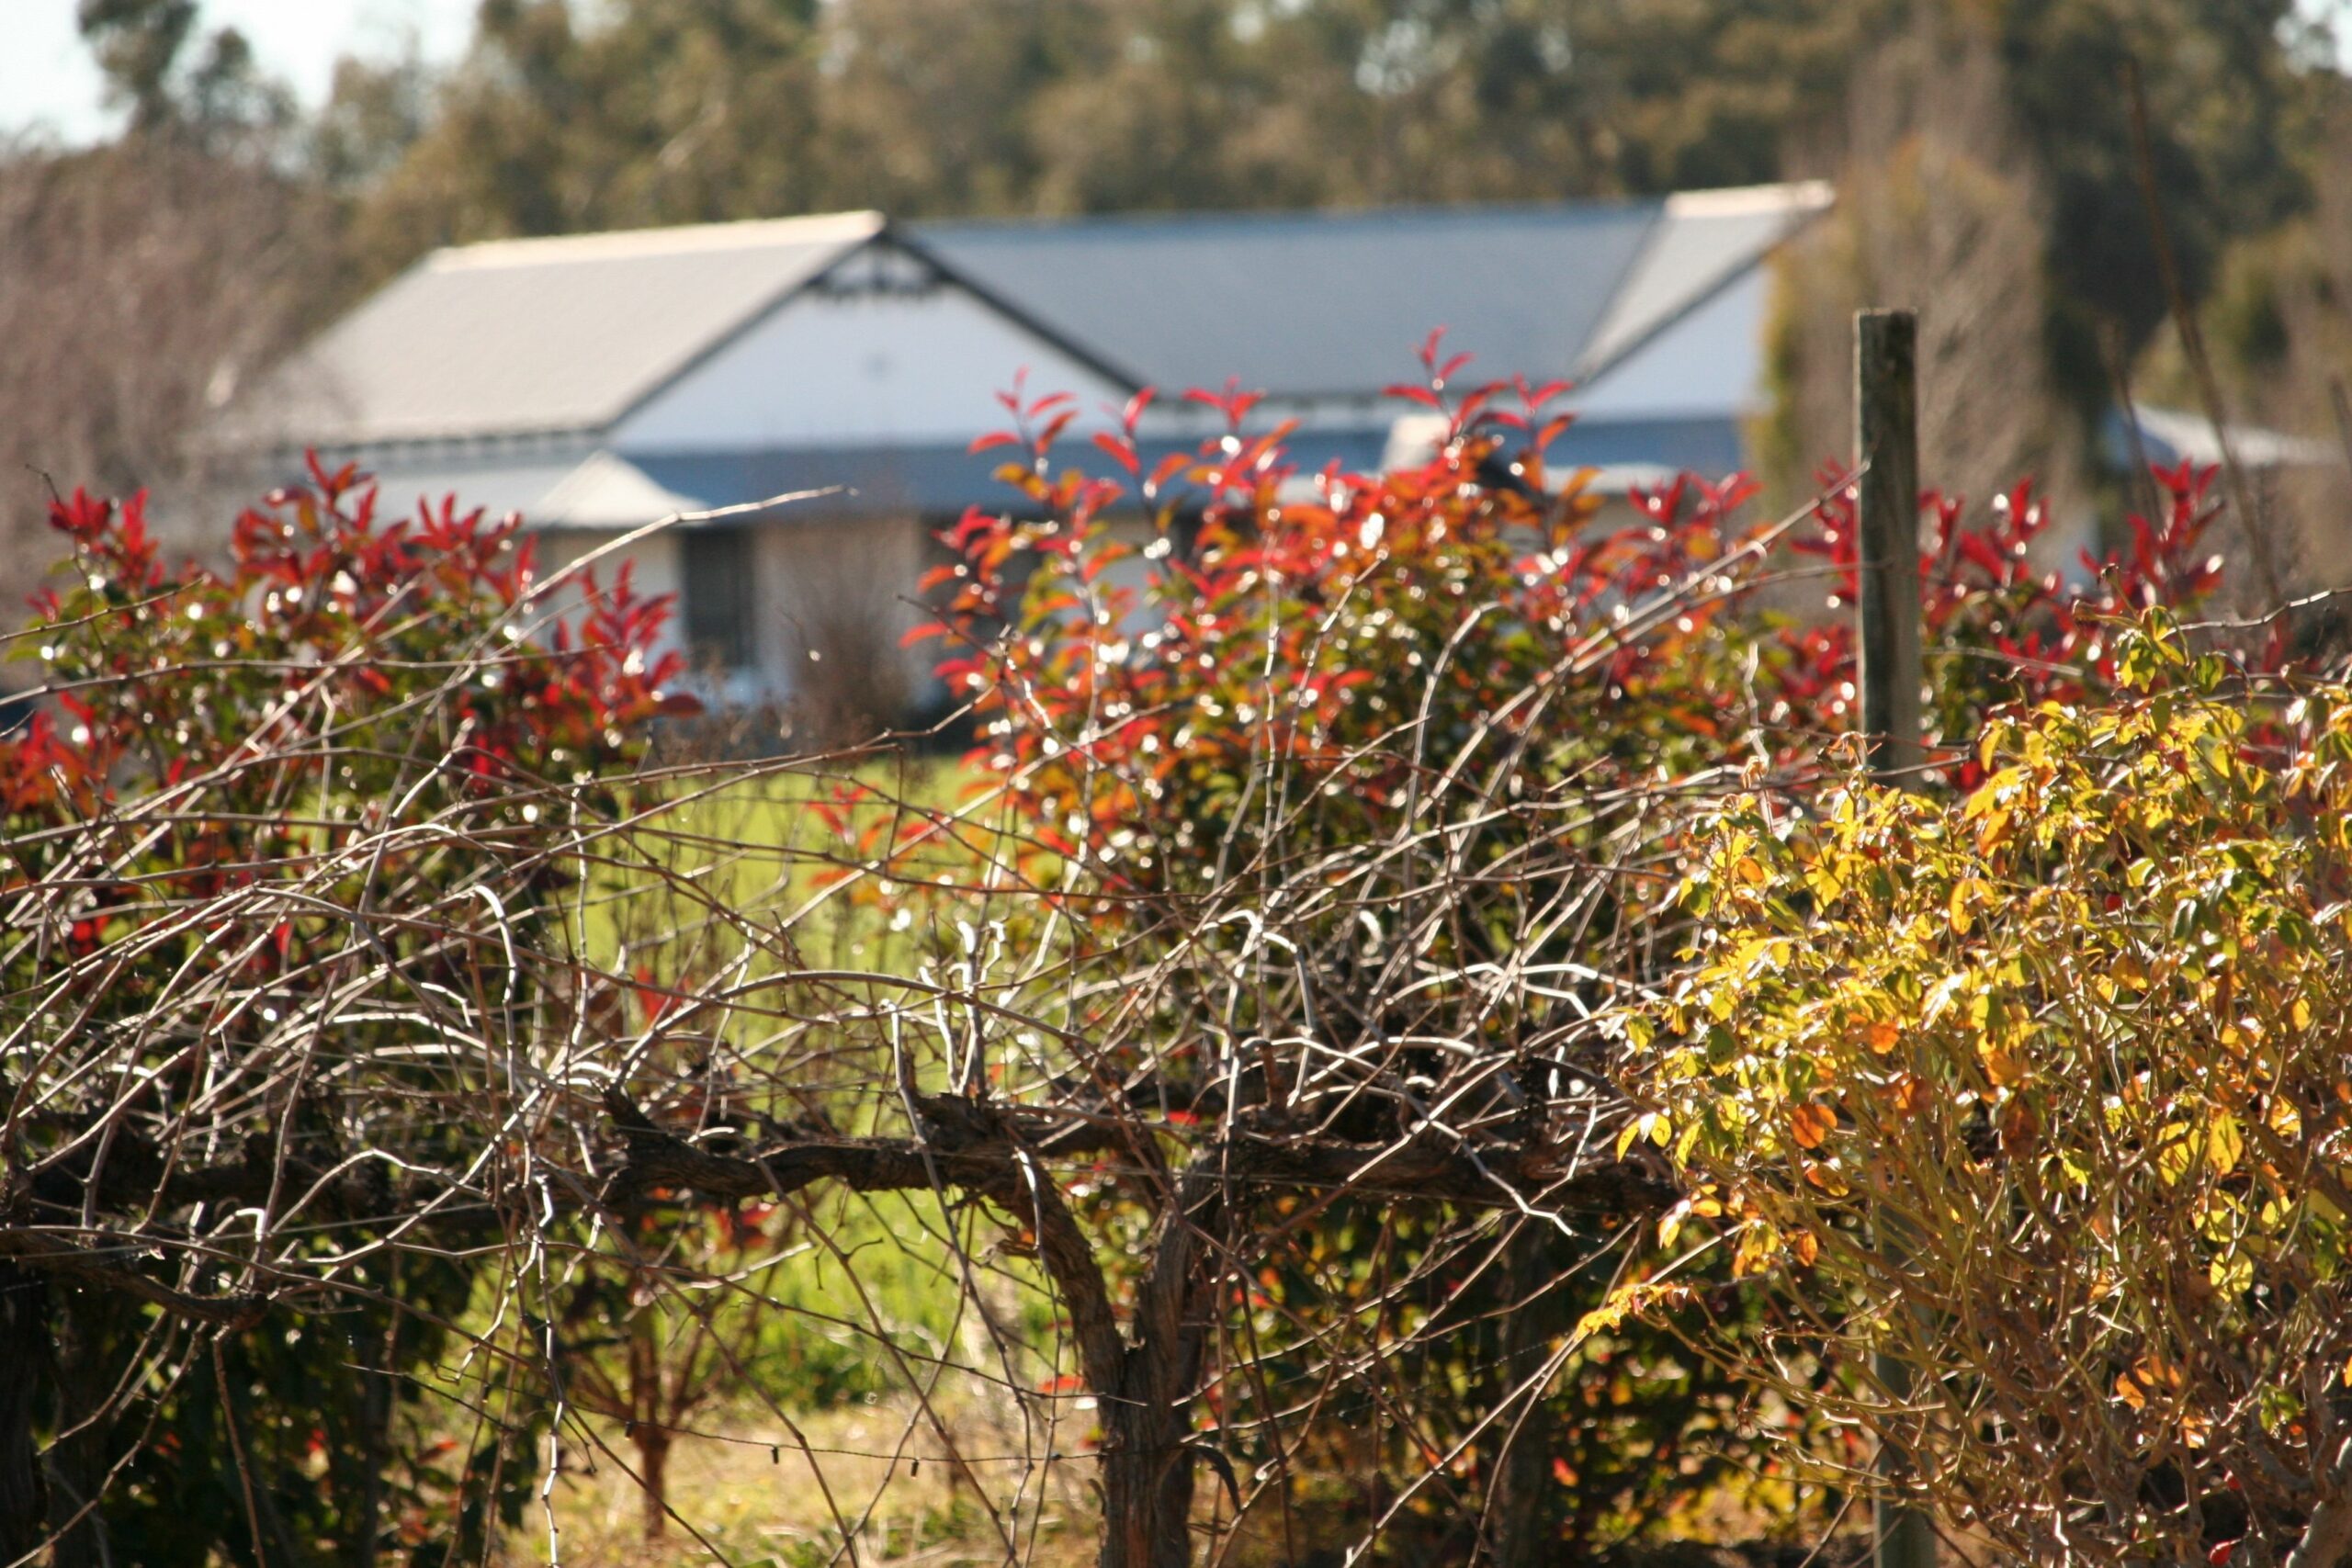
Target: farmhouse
[600,382]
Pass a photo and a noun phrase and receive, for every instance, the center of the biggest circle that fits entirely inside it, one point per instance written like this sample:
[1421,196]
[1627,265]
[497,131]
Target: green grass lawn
[886,1366]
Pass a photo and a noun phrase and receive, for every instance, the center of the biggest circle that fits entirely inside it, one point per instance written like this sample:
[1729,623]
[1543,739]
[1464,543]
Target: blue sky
[47,83]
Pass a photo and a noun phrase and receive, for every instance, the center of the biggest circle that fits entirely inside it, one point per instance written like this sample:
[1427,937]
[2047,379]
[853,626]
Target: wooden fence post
[1886,449]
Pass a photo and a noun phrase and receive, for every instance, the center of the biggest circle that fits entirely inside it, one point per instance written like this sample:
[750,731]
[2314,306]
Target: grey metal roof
[1310,304]
[519,335]
[1334,303]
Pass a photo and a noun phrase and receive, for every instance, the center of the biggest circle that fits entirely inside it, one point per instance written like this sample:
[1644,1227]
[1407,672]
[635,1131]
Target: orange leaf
[1910,1094]
[2018,1125]
[1812,1123]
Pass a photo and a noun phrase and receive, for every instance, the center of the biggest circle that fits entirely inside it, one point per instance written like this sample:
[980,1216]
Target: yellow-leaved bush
[2037,1100]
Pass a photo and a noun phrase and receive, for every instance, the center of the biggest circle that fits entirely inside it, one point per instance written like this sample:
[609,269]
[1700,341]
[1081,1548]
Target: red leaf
[1167,469]
[1120,450]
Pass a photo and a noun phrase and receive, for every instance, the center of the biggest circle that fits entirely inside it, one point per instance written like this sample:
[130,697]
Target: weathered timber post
[1886,450]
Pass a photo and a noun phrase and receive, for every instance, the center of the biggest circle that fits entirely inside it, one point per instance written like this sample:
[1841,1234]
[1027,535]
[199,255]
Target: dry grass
[755,1497]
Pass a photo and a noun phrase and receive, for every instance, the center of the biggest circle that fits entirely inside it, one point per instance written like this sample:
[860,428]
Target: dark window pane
[715,580]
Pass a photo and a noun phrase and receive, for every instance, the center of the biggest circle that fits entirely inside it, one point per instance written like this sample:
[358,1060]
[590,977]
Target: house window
[715,580]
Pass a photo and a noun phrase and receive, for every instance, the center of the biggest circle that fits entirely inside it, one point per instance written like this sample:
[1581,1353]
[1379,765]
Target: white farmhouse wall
[866,368]
[841,587]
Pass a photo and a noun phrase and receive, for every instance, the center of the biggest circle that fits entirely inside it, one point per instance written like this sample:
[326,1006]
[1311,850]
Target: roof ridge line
[1707,202]
[741,233]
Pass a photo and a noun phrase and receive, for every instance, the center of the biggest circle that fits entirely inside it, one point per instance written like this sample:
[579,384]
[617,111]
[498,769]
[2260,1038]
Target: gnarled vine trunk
[1146,1462]
[1147,1456]
[24,1345]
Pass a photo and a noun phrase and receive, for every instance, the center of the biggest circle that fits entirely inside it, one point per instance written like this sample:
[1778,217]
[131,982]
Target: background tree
[1990,178]
[175,80]
[147,277]
[1942,202]
[663,112]
[146,281]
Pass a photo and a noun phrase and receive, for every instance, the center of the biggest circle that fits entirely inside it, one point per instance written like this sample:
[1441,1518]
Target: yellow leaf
[2149,1375]
[1963,892]
[2285,1120]
[1607,1315]
[2232,1276]
[2174,1154]
[1633,1296]
[1992,828]
[2002,1065]
[1988,796]
[1650,1124]
[2224,1144]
